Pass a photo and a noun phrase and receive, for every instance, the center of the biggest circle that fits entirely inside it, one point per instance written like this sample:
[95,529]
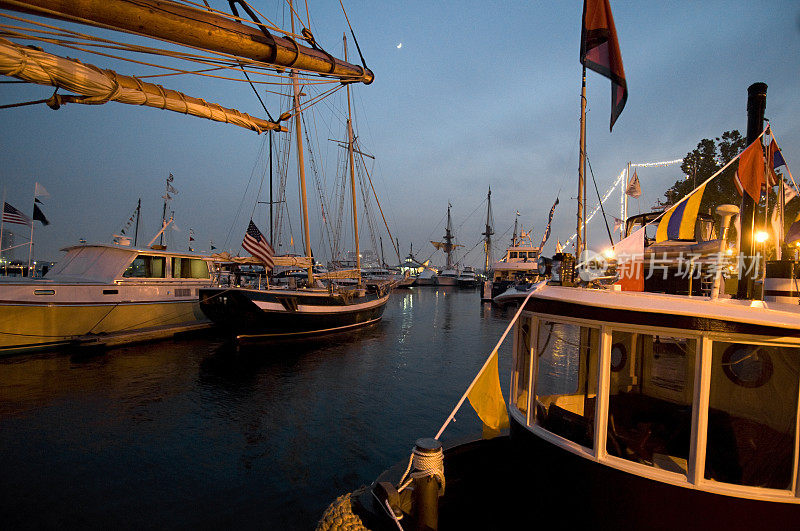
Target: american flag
[255,244]
[12,215]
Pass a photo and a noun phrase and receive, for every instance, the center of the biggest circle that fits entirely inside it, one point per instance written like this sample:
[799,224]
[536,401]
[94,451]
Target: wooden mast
[448,238]
[301,170]
[352,173]
[180,24]
[488,233]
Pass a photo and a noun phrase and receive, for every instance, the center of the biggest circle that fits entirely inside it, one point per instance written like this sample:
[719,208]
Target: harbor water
[195,433]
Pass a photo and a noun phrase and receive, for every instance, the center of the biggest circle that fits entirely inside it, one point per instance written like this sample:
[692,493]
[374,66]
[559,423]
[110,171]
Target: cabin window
[566,380]
[146,267]
[752,414]
[512,254]
[189,268]
[651,389]
[522,364]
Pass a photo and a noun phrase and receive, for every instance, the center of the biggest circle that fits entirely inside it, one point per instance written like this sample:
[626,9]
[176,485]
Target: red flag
[600,51]
[751,170]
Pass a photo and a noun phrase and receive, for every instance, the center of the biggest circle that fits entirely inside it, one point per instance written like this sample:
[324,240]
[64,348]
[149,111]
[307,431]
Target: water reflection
[202,433]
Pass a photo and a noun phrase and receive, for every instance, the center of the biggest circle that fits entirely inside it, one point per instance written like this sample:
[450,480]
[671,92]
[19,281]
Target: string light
[622,180]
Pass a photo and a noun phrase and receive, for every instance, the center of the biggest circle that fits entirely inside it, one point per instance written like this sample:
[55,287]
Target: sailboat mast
[580,238]
[352,172]
[138,215]
[300,162]
[271,201]
[514,235]
[163,217]
[448,238]
[488,232]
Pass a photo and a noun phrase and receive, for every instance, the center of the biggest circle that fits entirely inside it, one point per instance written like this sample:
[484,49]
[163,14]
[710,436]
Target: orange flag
[751,169]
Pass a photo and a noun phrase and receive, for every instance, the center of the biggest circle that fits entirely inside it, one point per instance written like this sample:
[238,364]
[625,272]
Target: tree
[703,162]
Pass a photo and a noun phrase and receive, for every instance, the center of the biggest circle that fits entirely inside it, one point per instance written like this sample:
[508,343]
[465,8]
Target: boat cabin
[706,401]
[118,264]
[679,266]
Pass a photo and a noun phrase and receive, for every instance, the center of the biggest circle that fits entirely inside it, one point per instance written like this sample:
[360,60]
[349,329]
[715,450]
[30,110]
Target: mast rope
[358,48]
[600,202]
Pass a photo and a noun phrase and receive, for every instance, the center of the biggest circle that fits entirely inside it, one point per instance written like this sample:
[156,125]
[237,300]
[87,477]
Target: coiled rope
[424,464]
[340,515]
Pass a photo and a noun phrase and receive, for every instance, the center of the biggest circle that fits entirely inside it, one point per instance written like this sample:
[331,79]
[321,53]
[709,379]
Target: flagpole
[581,228]
[625,207]
[30,243]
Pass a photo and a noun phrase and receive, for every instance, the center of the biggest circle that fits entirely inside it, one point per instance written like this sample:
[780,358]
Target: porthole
[619,356]
[747,365]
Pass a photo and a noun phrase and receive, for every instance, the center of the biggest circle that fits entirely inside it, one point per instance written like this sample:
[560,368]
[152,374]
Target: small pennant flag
[634,189]
[788,192]
[40,191]
[793,234]
[546,234]
[38,215]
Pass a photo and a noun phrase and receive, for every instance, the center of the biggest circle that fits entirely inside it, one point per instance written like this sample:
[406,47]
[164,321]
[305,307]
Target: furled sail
[283,261]
[444,246]
[98,86]
[189,26]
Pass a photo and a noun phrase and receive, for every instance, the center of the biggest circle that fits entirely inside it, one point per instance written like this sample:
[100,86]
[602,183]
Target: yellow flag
[486,398]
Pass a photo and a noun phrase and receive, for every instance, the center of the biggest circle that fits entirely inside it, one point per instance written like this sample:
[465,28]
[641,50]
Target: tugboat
[628,409]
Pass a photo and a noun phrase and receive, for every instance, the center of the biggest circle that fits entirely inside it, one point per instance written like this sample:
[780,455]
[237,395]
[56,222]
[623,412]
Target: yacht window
[146,267]
[189,268]
[522,364]
[566,381]
[752,414]
[651,389]
[512,254]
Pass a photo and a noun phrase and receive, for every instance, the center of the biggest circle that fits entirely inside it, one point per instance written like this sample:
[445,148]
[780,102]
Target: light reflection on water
[194,433]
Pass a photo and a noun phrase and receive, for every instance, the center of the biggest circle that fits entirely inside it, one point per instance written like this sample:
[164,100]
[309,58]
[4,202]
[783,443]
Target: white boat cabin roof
[105,263]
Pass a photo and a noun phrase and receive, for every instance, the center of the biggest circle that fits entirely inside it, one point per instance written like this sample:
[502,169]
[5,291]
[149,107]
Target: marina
[273,359]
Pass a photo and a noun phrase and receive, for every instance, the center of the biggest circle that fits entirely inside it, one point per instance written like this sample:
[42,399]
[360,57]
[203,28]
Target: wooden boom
[188,26]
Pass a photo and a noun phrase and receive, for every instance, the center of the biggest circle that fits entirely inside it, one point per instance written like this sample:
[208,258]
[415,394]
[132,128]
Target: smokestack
[756,104]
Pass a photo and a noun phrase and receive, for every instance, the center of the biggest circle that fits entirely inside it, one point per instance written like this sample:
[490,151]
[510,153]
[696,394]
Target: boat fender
[340,515]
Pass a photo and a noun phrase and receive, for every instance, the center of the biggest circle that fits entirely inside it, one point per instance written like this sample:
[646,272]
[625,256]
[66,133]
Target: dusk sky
[467,95]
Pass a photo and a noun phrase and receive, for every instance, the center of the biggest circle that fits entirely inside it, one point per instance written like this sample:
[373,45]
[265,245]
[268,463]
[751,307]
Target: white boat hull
[42,315]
